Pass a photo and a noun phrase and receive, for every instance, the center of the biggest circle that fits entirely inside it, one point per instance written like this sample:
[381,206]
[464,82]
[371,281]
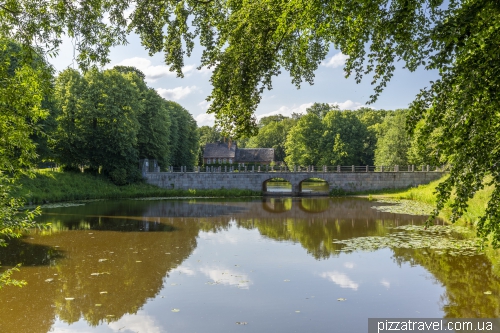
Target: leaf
[175,310]
[341,299]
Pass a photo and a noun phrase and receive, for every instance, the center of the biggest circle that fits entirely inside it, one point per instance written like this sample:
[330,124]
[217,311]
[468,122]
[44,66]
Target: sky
[330,85]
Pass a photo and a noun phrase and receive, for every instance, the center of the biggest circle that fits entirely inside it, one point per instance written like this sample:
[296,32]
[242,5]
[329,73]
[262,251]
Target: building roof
[255,155]
[219,150]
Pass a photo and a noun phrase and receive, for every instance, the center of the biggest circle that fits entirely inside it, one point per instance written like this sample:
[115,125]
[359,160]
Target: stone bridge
[257,181]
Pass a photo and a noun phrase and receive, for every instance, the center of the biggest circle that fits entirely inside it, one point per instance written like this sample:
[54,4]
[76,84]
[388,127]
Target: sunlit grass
[55,186]
[476,209]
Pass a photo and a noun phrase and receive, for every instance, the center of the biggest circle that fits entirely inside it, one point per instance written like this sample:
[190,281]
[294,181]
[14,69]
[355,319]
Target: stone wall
[347,181]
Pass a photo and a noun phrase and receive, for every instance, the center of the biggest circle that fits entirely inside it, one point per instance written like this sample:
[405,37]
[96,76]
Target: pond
[254,265]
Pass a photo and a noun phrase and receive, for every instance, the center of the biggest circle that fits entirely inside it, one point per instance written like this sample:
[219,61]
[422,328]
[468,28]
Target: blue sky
[330,85]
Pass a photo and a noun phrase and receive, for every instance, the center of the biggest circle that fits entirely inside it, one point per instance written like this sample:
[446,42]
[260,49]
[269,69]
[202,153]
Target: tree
[25,82]
[424,148]
[184,136]
[248,43]
[302,144]
[321,109]
[154,121]
[394,142]
[372,119]
[98,123]
[342,142]
[273,134]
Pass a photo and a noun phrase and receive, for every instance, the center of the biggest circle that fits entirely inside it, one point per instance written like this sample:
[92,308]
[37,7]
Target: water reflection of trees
[137,260]
[465,279]
[135,265]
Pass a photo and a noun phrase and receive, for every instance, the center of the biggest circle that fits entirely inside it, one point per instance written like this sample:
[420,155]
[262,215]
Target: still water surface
[262,265]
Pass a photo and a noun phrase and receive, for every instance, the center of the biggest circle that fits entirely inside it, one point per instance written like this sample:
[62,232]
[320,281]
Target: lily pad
[49,280]
[443,239]
[487,292]
[402,206]
[175,310]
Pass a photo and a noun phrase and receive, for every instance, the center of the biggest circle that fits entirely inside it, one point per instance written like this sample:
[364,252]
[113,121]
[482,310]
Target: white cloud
[205,119]
[349,265]
[227,277]
[176,93]
[154,73]
[136,323]
[348,105]
[204,105]
[221,237]
[206,70]
[335,61]
[340,279]
[287,110]
[184,270]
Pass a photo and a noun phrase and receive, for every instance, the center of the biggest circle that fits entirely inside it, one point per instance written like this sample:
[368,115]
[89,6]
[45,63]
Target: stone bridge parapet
[346,181]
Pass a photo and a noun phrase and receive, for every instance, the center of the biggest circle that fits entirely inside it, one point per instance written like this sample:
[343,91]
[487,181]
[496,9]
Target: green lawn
[55,186]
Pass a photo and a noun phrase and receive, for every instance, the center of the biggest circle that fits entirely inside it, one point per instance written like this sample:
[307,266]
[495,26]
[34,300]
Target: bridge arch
[277,185]
[314,186]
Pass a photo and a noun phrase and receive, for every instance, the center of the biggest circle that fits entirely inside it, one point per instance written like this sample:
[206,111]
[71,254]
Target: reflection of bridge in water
[310,209]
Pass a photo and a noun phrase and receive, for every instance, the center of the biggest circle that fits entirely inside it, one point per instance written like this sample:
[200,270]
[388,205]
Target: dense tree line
[108,120]
[324,135]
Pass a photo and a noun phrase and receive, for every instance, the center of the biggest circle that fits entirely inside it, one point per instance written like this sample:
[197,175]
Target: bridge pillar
[295,189]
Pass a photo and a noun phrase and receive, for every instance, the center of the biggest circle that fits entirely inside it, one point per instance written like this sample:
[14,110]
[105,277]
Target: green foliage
[272,134]
[98,122]
[303,141]
[154,129]
[248,43]
[372,119]
[108,120]
[25,83]
[424,148]
[184,136]
[342,142]
[394,142]
[339,138]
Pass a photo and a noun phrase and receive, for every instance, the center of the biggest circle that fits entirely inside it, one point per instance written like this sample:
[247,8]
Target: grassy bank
[54,186]
[476,208]
[425,194]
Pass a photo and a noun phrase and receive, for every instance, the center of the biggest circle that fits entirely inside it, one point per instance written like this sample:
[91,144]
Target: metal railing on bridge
[283,168]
